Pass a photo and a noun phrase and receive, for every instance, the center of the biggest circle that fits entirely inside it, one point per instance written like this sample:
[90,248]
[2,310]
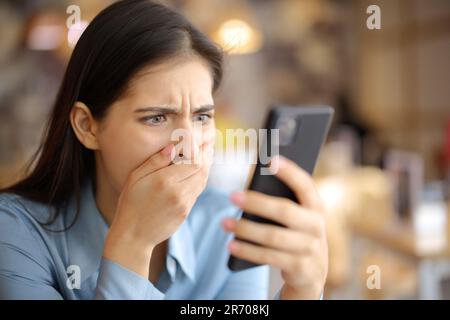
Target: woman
[106,214]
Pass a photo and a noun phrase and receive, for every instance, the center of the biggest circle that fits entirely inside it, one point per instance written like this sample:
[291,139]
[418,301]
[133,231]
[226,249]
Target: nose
[187,138]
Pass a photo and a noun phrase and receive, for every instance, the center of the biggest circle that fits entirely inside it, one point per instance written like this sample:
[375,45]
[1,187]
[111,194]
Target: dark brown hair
[121,40]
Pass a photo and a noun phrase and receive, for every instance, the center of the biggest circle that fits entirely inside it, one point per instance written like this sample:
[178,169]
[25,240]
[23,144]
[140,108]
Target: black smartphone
[297,133]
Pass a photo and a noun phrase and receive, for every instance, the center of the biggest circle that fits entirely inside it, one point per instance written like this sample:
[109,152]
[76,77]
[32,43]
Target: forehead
[187,75]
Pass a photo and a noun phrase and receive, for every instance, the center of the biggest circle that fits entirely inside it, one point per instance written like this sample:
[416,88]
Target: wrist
[305,293]
[128,251]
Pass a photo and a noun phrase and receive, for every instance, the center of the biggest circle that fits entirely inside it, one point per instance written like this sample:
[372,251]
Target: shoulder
[25,260]
[12,211]
[17,210]
[20,220]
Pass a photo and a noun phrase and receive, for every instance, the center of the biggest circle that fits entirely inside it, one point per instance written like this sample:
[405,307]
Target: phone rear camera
[287,128]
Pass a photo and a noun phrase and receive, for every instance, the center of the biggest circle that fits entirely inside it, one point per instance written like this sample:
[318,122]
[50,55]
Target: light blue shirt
[36,263]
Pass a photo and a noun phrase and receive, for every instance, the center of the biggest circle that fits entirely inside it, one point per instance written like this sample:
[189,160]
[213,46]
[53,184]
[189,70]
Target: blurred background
[384,172]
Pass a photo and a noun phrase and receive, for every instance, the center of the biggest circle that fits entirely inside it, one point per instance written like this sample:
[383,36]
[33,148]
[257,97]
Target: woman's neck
[105,197]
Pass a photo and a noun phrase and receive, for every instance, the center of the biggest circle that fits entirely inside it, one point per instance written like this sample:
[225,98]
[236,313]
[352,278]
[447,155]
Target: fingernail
[237,198]
[167,150]
[233,246]
[228,224]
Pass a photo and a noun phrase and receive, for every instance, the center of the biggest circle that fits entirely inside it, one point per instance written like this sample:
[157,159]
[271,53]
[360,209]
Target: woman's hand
[300,249]
[156,199]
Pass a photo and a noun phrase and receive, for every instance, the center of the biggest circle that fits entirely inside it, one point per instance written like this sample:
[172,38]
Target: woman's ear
[84,125]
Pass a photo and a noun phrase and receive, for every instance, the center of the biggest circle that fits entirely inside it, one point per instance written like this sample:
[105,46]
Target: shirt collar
[181,248]
[85,239]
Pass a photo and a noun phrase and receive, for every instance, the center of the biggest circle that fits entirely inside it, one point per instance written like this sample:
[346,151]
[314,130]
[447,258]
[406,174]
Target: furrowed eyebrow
[171,110]
[158,109]
[205,108]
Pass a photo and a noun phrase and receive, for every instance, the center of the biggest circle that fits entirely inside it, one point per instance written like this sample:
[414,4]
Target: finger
[202,154]
[193,186]
[260,255]
[202,160]
[180,171]
[187,151]
[298,180]
[268,235]
[153,163]
[281,210]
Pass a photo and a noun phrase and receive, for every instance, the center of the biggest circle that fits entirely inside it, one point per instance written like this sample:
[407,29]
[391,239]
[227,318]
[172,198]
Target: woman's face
[160,99]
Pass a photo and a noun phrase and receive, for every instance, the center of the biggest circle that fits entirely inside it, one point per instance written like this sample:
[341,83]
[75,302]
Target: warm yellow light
[238,37]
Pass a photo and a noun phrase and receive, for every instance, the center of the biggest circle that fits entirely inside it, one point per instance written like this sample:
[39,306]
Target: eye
[203,117]
[155,120]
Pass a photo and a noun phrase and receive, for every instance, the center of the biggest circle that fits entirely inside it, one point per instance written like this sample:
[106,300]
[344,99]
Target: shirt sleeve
[118,283]
[249,284]
[25,272]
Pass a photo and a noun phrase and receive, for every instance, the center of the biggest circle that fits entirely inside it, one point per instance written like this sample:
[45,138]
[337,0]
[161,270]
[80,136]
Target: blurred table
[433,265]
